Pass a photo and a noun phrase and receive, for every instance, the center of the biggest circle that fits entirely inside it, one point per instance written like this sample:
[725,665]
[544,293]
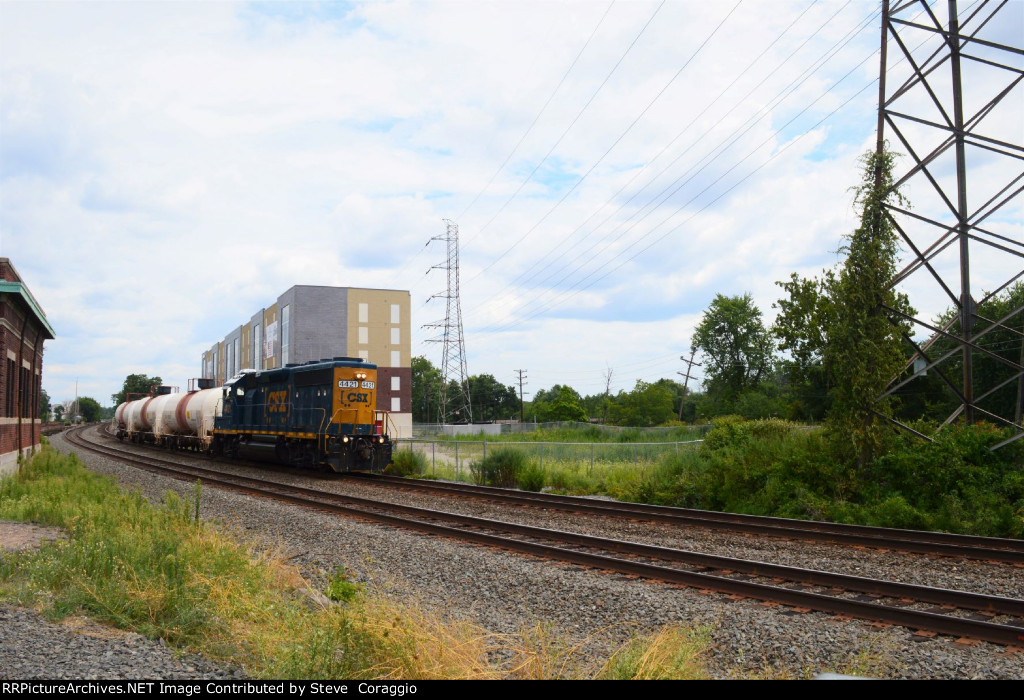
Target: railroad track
[990,618]
[993,549]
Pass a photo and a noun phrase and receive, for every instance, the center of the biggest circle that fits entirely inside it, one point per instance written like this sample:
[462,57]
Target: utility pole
[521,373]
[690,364]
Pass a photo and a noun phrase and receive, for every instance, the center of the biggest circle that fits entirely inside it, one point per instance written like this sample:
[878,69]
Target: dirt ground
[16,537]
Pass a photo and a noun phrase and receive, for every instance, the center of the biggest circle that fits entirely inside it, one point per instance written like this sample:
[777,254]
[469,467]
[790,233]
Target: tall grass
[774,467]
[566,470]
[585,433]
[160,571]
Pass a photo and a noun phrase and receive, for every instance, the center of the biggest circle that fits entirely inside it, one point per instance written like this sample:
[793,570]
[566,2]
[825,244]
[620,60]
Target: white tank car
[167,422]
[133,416]
[182,418]
[199,410]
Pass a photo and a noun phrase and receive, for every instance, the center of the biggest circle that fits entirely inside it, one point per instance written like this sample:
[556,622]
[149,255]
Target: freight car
[321,414]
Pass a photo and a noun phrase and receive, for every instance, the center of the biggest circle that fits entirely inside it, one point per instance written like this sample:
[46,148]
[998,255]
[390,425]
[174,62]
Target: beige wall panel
[245,352]
[388,311]
[272,331]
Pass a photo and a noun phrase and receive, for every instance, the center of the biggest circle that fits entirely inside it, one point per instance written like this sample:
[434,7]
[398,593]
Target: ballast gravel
[31,648]
[507,593]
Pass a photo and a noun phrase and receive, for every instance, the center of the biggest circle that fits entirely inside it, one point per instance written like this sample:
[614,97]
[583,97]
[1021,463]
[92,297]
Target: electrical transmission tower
[454,407]
[954,105]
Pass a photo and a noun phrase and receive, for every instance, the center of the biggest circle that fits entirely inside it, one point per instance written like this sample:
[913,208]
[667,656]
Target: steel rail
[946,624]
[949,544]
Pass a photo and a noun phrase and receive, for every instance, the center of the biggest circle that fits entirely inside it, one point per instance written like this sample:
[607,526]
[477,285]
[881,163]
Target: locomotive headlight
[345,439]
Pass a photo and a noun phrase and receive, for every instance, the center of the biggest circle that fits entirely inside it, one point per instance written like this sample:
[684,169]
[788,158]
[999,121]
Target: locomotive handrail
[387,422]
[321,431]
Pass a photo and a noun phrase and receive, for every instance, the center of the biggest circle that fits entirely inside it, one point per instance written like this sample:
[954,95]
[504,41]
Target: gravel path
[77,649]
[506,593]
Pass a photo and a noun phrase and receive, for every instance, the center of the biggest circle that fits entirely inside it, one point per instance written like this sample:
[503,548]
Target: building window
[364,354]
[396,404]
[237,356]
[396,383]
[268,343]
[396,336]
[12,376]
[257,347]
[364,335]
[395,313]
[396,358]
[364,313]
[285,314]
[24,388]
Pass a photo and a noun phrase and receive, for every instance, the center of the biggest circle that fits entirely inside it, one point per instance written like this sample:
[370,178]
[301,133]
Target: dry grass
[159,571]
[672,653]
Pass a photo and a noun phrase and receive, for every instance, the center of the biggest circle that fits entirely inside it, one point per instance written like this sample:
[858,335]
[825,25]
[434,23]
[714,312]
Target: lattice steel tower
[955,113]
[452,407]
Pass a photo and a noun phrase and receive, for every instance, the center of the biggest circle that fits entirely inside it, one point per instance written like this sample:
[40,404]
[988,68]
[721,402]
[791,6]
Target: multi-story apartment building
[314,323]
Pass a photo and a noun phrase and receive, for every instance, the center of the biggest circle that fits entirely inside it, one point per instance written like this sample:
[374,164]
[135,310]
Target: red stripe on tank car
[142,415]
[179,413]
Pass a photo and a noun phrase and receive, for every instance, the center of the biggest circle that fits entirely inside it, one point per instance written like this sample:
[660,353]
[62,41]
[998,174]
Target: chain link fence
[426,430]
[454,459]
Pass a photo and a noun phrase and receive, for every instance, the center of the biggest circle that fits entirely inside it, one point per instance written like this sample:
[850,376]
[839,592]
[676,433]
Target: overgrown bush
[407,463]
[502,467]
[773,467]
[341,587]
[531,478]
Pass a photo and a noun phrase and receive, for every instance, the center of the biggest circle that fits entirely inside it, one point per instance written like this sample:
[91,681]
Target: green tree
[89,409]
[135,384]
[647,405]
[44,405]
[802,328]
[491,399]
[58,412]
[865,349]
[736,347]
[560,403]
[426,388]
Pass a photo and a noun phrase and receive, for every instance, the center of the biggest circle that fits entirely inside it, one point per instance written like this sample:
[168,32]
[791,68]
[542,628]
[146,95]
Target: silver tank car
[175,420]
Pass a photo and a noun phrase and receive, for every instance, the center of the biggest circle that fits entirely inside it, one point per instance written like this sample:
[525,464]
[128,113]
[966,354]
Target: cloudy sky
[167,168]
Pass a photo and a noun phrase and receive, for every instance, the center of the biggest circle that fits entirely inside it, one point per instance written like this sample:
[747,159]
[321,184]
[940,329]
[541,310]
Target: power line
[519,143]
[722,147]
[536,118]
[550,253]
[615,143]
[575,119]
[566,295]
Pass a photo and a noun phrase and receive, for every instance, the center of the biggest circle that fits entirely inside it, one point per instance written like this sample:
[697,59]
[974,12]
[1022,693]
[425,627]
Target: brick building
[23,329]
[315,323]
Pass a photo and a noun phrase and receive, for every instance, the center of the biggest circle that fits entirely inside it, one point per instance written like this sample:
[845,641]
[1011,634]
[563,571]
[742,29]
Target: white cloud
[170,167]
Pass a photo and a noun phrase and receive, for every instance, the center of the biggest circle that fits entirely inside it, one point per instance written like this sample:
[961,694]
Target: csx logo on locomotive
[277,402]
[356,397]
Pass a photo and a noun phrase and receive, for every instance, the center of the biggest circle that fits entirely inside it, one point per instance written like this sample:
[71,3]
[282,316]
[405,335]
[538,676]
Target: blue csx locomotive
[320,414]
